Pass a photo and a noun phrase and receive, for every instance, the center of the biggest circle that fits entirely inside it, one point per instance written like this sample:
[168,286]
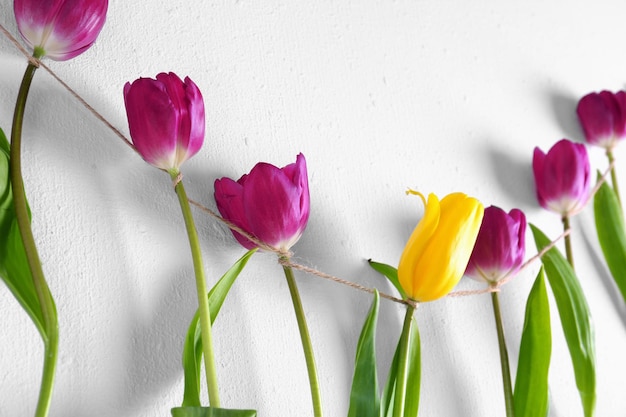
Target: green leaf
[390,272]
[610,229]
[210,412]
[531,382]
[14,269]
[192,352]
[575,319]
[364,397]
[411,404]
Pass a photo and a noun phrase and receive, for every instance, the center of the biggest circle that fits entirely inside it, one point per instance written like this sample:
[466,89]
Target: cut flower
[166,119]
[603,118]
[270,203]
[60,29]
[562,177]
[436,255]
[500,247]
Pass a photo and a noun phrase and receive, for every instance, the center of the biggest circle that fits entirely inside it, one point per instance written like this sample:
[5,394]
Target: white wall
[379,95]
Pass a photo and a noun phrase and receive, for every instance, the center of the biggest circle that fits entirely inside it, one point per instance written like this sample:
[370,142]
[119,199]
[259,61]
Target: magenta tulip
[603,118]
[166,119]
[562,177]
[501,245]
[269,203]
[60,29]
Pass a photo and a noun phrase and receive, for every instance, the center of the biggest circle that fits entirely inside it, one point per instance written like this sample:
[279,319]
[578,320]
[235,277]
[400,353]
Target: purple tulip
[270,203]
[166,119]
[562,177]
[60,29]
[603,118]
[501,245]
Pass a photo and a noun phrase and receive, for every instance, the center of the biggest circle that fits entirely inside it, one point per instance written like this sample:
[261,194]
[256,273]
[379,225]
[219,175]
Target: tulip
[500,246]
[603,118]
[269,203]
[562,177]
[60,29]
[436,255]
[166,119]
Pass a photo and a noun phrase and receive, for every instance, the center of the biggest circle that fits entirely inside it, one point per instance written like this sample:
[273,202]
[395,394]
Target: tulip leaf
[210,412]
[192,352]
[531,382]
[364,397]
[411,404]
[14,269]
[390,272]
[611,234]
[575,319]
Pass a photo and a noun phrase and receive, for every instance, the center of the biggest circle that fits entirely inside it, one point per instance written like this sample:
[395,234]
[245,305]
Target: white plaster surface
[379,95]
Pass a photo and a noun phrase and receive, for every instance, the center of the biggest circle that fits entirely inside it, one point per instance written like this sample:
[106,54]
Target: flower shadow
[564,110]
[605,277]
[513,175]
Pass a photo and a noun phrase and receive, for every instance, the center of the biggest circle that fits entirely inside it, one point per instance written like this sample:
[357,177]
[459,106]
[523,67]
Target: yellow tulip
[436,255]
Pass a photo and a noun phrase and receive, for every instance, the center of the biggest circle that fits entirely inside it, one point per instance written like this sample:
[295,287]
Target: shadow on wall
[70,137]
[597,259]
[513,175]
[564,109]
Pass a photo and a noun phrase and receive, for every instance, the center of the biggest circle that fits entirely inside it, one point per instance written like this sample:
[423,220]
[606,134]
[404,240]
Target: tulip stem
[609,154]
[504,357]
[201,289]
[568,241]
[403,364]
[50,330]
[306,340]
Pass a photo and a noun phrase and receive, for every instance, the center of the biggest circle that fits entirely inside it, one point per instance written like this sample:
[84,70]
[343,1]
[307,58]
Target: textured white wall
[379,95]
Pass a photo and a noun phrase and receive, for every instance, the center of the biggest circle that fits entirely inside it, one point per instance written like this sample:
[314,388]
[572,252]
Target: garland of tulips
[268,209]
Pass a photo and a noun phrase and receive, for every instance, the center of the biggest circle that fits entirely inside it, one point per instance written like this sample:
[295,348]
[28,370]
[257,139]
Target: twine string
[283,255]
[81,100]
[177,180]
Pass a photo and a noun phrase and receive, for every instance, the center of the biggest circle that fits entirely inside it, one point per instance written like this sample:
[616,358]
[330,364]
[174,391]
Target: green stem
[504,357]
[306,340]
[401,381]
[609,154]
[568,241]
[50,333]
[201,289]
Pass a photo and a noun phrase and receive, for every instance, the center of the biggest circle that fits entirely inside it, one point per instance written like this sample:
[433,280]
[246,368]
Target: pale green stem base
[568,242]
[401,381]
[609,154]
[306,341]
[48,309]
[504,358]
[201,289]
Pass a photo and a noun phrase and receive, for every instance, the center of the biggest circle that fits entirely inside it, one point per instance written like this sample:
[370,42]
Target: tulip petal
[62,28]
[270,203]
[500,246]
[445,258]
[416,244]
[273,205]
[562,177]
[152,121]
[166,119]
[229,199]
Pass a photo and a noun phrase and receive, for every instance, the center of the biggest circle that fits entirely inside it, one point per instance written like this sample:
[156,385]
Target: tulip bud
[269,203]
[500,247]
[436,255]
[603,118]
[166,119]
[562,179]
[60,29]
